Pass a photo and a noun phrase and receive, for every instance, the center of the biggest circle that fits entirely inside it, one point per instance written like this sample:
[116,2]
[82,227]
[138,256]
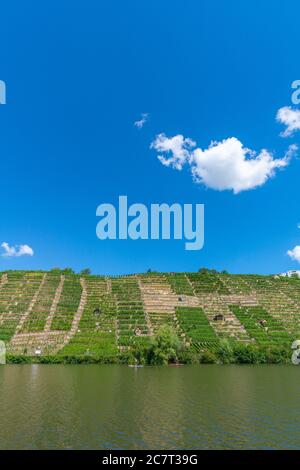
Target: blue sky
[79,74]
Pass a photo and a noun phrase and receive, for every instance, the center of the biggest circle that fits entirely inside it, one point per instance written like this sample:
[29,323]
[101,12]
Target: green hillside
[57,316]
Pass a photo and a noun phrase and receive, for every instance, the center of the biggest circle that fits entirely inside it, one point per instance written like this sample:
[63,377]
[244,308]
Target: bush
[248,354]
[126,357]
[188,357]
[225,352]
[277,355]
[165,347]
[208,357]
[86,272]
[14,359]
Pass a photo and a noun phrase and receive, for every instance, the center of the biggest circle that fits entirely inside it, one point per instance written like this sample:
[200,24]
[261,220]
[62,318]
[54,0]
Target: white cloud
[225,165]
[16,250]
[178,147]
[141,122]
[294,254]
[289,117]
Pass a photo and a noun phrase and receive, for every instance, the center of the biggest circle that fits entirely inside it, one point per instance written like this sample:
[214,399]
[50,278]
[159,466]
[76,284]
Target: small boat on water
[135,366]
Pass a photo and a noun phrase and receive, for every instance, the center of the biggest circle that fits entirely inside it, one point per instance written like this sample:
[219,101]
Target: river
[116,407]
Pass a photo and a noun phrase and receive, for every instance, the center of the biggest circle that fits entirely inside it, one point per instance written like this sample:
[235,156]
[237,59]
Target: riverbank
[226,354]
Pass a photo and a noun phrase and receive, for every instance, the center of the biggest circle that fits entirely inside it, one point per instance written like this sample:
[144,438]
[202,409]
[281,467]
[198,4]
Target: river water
[116,407]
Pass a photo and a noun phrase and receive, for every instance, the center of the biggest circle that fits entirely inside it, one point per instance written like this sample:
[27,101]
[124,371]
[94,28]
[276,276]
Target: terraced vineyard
[196,327]
[67,315]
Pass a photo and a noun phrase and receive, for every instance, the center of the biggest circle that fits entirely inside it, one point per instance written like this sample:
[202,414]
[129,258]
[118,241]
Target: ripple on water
[192,407]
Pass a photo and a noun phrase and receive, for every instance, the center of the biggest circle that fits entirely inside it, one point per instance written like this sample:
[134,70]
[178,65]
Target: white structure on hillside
[291,273]
[2,353]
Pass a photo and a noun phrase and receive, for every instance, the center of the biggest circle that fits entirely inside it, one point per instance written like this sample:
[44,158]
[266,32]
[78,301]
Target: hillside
[101,317]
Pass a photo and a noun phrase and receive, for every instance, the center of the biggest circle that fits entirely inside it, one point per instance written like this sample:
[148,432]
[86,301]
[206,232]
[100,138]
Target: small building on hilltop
[291,273]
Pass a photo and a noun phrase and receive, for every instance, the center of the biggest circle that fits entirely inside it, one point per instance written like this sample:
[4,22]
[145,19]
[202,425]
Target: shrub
[165,347]
[278,355]
[248,354]
[188,357]
[86,272]
[14,359]
[208,357]
[225,352]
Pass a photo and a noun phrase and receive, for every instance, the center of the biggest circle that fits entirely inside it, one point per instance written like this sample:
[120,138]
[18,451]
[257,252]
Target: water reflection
[98,407]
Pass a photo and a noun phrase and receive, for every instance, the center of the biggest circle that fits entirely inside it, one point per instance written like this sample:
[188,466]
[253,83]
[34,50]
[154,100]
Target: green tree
[165,347]
[203,270]
[85,272]
[68,271]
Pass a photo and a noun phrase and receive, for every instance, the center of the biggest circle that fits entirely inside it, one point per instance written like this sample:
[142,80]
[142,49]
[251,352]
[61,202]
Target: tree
[165,347]
[85,272]
[207,271]
[203,270]
[55,270]
[68,271]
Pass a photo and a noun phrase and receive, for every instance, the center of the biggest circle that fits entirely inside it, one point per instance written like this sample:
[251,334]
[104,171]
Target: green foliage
[68,271]
[277,355]
[68,304]
[188,356]
[180,284]
[249,354]
[195,324]
[86,359]
[41,309]
[55,270]
[131,320]
[225,352]
[96,335]
[207,281]
[165,347]
[117,323]
[62,271]
[15,298]
[207,271]
[255,354]
[18,359]
[86,272]
[208,357]
[261,326]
